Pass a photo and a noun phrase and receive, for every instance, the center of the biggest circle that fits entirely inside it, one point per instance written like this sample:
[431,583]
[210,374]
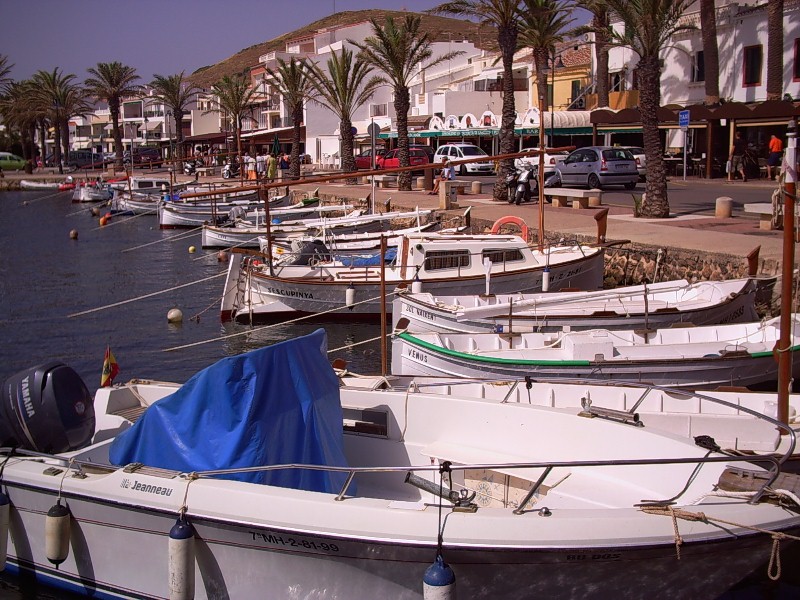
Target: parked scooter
[523,184]
[231,169]
[190,166]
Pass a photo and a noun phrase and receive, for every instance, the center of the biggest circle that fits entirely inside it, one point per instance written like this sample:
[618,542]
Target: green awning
[434,133]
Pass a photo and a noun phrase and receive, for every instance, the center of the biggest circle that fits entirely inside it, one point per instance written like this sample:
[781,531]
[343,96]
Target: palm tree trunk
[65,137]
[178,114]
[655,203]
[508,44]
[600,23]
[42,127]
[540,64]
[708,26]
[297,120]
[774,49]
[348,161]
[57,148]
[402,103]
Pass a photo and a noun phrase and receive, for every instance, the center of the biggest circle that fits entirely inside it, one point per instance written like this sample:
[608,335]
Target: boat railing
[771,463]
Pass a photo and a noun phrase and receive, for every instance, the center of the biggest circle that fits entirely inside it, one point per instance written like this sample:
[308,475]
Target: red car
[391,160]
[364,159]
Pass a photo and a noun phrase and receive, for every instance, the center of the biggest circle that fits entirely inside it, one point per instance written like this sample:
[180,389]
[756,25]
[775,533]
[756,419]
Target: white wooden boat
[90,192]
[632,307]
[284,225]
[32,184]
[441,263]
[695,357]
[369,494]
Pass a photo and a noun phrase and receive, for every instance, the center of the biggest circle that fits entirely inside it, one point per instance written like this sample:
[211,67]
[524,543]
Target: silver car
[599,166]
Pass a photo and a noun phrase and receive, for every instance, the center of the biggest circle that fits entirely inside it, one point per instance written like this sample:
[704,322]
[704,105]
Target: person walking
[283,165]
[775,152]
[272,167]
[260,165]
[250,165]
[737,157]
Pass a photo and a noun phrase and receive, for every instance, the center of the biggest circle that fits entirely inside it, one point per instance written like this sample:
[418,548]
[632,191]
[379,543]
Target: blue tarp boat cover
[275,405]
[367,260]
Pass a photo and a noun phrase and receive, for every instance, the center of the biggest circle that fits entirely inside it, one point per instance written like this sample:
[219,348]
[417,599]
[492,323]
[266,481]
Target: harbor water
[68,299]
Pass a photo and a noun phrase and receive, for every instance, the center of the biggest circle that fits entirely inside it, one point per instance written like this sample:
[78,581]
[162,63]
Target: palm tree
[345,88]
[504,16]
[175,93]
[234,98]
[293,82]
[20,114]
[112,82]
[708,27]
[544,25]
[5,70]
[774,49]
[399,50]
[601,27]
[648,27]
[61,98]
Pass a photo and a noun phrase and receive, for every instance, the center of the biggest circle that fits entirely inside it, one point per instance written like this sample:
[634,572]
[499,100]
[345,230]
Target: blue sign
[683,119]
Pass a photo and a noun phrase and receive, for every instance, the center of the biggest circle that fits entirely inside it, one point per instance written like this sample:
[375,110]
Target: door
[570,167]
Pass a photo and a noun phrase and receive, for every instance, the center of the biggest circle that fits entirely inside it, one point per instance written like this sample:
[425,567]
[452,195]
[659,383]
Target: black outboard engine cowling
[46,408]
[312,251]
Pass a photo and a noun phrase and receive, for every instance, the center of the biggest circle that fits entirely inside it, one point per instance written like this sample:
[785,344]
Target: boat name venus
[416,355]
[146,488]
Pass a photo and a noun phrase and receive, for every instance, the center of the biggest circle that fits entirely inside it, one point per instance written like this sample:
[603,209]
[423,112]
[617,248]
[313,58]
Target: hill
[442,29]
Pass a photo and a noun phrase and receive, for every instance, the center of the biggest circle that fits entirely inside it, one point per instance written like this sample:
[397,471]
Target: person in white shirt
[448,173]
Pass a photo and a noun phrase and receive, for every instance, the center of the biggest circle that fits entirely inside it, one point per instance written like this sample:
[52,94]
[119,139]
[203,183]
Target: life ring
[511,220]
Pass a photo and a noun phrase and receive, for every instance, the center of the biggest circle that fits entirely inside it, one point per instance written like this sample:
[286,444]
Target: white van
[460,152]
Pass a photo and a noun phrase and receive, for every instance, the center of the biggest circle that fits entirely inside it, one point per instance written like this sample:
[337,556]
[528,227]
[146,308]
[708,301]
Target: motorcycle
[190,166]
[231,169]
[523,184]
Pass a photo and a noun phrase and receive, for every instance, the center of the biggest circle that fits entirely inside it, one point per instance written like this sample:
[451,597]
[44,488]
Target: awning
[458,133]
[259,132]
[150,126]
[217,136]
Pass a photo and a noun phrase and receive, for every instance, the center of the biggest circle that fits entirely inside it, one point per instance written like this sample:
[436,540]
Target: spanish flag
[110,369]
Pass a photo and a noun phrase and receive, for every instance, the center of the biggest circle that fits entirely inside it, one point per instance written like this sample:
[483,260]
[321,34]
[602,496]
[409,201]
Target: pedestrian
[446,174]
[272,167]
[774,159]
[250,165]
[283,165]
[737,157]
[260,164]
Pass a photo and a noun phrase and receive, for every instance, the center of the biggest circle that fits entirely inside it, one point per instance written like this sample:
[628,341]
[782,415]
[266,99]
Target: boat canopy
[275,405]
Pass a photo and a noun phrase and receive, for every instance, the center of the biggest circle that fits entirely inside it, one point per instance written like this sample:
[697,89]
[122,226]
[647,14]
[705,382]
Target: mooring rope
[46,197]
[177,287]
[170,238]
[282,323]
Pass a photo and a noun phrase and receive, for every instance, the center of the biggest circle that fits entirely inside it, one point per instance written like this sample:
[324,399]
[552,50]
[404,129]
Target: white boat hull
[694,357]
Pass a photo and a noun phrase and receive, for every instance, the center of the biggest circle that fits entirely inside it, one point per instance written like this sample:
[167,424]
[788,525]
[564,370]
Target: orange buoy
[103,221]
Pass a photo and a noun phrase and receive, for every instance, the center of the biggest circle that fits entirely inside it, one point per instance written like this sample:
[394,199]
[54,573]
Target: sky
[161,37]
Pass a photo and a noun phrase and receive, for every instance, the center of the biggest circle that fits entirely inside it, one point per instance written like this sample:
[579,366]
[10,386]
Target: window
[378,110]
[753,57]
[698,66]
[502,256]
[437,260]
[616,82]
[796,67]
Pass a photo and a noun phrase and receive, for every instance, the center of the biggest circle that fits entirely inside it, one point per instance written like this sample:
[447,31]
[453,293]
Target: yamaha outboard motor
[315,250]
[46,409]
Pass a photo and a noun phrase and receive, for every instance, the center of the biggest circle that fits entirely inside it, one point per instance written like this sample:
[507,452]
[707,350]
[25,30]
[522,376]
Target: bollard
[724,208]
[420,183]
[476,187]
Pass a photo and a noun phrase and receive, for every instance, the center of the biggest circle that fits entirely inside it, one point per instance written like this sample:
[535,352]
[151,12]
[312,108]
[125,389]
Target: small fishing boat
[261,474]
[32,184]
[441,263]
[92,192]
[740,354]
[631,307]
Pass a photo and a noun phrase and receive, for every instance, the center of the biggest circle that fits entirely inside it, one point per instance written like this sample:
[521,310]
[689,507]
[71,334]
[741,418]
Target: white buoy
[56,533]
[175,315]
[439,581]
[181,561]
[546,279]
[350,296]
[5,508]
[416,286]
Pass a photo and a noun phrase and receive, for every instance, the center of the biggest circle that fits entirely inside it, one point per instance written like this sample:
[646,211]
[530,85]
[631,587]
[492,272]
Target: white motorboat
[260,477]
[441,263]
[631,307]
[709,356]
[92,192]
[32,184]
